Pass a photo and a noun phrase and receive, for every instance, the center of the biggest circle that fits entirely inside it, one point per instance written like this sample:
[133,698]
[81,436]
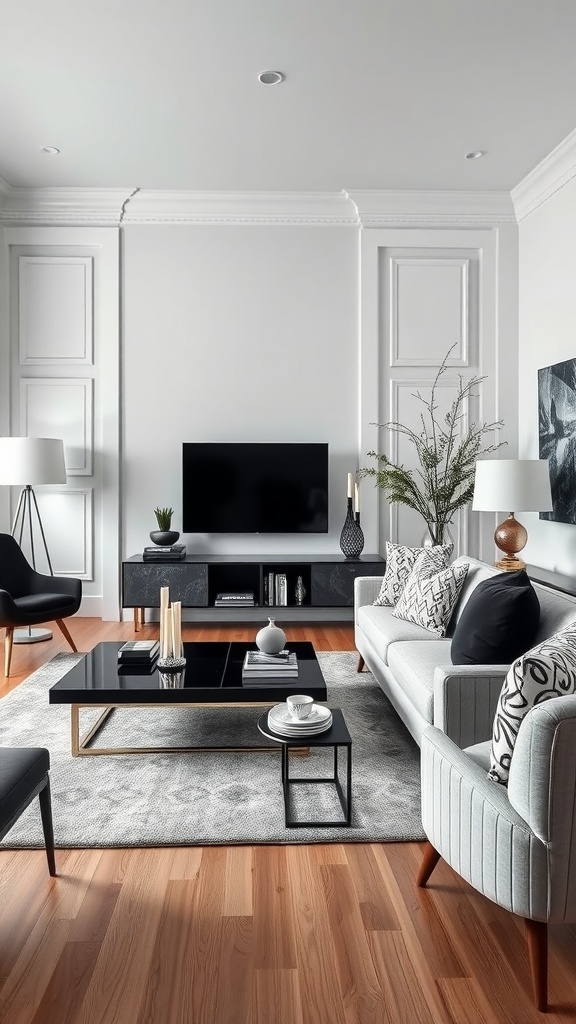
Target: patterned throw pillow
[400,561]
[428,600]
[548,670]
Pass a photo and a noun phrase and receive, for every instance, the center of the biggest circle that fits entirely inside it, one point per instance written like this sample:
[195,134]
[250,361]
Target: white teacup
[299,705]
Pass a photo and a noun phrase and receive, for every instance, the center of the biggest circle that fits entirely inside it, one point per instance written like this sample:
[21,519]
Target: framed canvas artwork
[557,436]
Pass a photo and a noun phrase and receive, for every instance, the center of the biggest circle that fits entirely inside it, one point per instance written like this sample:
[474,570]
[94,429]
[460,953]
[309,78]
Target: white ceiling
[379,94]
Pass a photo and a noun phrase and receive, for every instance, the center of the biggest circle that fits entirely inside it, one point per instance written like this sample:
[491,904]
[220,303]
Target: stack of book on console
[235,600]
[139,653]
[260,667]
[158,553]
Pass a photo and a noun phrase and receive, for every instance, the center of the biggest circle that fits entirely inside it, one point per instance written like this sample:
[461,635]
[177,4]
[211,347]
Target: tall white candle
[164,602]
[349,485]
[176,628]
[166,650]
[356,496]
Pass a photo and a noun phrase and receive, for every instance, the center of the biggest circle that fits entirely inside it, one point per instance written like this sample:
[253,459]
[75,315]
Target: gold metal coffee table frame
[80,743]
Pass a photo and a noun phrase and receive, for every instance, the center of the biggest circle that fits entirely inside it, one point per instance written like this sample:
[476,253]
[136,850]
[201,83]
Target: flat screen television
[254,487]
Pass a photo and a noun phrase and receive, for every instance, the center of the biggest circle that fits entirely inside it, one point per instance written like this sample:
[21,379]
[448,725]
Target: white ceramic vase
[270,639]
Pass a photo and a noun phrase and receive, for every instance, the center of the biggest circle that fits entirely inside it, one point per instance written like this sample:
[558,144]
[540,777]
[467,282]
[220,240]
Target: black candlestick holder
[351,538]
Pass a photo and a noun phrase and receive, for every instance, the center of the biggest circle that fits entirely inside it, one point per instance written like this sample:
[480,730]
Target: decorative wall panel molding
[428,310]
[55,309]
[60,407]
[554,171]
[67,515]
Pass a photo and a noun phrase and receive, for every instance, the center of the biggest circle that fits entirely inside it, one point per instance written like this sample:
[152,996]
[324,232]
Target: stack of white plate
[282,721]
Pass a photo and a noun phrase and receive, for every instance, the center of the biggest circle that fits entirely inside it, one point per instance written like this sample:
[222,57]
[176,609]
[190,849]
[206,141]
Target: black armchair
[28,598]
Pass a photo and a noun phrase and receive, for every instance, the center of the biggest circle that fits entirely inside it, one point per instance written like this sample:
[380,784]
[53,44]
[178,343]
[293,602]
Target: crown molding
[393,208]
[354,208]
[151,206]
[101,206]
[550,175]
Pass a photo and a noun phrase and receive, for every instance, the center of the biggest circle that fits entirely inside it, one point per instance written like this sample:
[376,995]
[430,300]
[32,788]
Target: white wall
[547,335]
[236,333]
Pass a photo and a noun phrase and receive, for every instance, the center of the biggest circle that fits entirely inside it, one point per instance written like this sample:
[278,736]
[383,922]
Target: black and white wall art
[557,432]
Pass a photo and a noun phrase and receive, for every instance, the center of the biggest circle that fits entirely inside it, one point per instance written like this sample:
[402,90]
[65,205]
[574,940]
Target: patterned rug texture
[184,799]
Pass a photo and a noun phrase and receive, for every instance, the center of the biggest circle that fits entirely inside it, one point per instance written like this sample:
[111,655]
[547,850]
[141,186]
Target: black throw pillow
[498,623]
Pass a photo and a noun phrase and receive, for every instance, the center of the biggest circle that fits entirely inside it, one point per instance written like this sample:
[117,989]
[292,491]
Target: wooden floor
[331,934]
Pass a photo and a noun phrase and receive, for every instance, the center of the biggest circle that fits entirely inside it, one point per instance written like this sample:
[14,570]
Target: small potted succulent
[164,535]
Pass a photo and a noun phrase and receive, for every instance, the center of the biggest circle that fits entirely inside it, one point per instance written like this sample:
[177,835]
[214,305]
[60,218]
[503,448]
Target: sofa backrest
[477,572]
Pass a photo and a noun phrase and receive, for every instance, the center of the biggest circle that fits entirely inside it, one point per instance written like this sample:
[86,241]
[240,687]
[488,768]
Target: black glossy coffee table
[212,676]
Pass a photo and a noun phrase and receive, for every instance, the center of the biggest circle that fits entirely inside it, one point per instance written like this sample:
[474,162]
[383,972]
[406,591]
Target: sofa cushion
[429,601]
[381,629]
[546,671]
[499,622]
[413,663]
[400,561]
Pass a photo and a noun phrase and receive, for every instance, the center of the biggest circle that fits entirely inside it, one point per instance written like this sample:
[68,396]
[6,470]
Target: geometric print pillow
[429,600]
[548,670]
[400,561]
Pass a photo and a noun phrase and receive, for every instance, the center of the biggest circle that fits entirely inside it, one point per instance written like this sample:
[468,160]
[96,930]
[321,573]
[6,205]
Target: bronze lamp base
[510,537]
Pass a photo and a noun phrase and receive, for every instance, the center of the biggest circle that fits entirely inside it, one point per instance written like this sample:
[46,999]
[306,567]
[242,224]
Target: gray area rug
[216,797]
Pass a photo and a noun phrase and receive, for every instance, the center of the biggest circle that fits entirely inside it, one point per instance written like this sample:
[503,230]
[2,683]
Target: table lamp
[25,461]
[519,484]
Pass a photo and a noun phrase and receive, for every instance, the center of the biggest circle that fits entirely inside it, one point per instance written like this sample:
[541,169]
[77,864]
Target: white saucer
[282,730]
[280,720]
[280,714]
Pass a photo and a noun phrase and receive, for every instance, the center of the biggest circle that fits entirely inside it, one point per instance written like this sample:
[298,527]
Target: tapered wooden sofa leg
[429,862]
[8,649]
[537,939]
[360,664]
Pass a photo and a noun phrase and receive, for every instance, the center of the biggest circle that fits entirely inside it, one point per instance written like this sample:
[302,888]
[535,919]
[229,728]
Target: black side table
[336,736]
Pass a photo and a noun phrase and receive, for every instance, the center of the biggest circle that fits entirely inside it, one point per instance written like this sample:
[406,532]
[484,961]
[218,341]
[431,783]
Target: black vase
[164,537]
[351,538]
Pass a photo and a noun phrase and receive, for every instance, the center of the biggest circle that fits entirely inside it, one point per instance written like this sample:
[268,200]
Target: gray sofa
[414,668]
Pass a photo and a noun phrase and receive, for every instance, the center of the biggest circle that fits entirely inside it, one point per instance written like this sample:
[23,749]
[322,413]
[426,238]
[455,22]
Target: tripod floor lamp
[25,462]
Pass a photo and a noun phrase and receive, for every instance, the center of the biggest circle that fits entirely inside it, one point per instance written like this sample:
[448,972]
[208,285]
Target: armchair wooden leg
[429,862]
[8,649]
[537,939]
[361,663]
[64,630]
[46,814]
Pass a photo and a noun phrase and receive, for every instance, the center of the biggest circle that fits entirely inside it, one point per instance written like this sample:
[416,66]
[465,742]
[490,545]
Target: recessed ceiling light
[51,150]
[270,77]
[475,154]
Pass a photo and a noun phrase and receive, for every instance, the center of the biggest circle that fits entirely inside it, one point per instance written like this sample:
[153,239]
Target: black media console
[198,579]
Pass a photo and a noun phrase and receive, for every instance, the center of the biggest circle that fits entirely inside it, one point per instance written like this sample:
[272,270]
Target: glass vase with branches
[446,450]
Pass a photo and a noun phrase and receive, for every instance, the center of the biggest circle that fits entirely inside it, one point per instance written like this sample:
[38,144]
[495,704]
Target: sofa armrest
[366,590]
[465,701]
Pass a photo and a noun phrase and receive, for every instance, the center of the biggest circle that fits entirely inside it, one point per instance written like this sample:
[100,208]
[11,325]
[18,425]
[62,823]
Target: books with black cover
[164,549]
[138,650]
[258,665]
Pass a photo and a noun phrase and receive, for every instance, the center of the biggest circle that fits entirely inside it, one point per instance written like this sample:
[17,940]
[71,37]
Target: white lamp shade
[512,485]
[32,460]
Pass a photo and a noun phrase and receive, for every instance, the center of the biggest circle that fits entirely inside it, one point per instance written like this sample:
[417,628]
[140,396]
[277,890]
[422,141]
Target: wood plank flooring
[326,934]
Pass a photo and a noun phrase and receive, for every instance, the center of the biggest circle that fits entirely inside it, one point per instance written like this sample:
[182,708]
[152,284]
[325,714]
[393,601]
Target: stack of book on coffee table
[138,652]
[260,667]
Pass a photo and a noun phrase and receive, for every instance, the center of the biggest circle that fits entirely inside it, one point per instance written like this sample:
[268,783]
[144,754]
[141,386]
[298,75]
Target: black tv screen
[254,487]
